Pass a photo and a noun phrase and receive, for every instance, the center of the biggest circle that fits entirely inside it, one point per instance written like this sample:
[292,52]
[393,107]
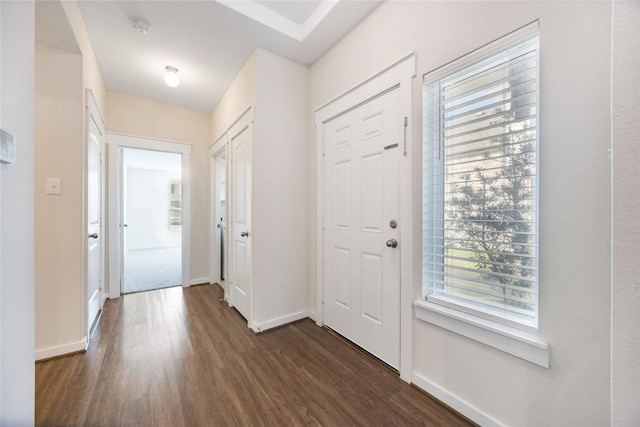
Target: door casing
[117,141]
[400,73]
[218,148]
[244,123]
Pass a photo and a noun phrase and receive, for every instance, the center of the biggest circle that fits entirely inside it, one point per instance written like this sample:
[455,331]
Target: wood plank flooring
[180,357]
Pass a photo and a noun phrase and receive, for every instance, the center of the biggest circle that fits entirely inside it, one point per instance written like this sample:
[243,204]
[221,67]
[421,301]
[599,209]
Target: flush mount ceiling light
[171,77]
[141,25]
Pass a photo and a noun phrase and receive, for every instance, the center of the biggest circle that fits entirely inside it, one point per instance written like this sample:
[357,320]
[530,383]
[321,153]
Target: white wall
[574,199]
[17,378]
[58,154]
[278,89]
[242,93]
[140,117]
[625,357]
[280,182]
[91,75]
[147,213]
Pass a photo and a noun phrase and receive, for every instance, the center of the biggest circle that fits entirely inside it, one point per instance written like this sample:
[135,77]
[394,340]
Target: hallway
[180,357]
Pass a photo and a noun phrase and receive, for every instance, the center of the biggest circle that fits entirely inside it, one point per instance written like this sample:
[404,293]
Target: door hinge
[405,123]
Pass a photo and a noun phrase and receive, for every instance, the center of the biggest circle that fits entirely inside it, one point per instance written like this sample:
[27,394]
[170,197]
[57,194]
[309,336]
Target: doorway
[231,198]
[219,238]
[364,215]
[152,219]
[361,212]
[149,189]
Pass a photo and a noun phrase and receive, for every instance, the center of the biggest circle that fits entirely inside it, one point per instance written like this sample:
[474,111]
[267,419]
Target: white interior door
[94,211]
[362,244]
[241,280]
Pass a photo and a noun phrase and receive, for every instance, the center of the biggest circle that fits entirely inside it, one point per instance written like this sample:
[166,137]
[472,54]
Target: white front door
[241,141]
[94,212]
[362,150]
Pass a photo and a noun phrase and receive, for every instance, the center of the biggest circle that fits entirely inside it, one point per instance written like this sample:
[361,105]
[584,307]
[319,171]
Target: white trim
[267,17]
[317,16]
[199,281]
[369,80]
[117,141]
[311,314]
[279,321]
[503,43]
[61,350]
[400,73]
[516,342]
[149,143]
[90,101]
[221,144]
[455,402]
[233,123]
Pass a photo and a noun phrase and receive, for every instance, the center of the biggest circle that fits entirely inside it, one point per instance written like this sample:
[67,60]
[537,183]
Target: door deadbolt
[392,243]
[393,223]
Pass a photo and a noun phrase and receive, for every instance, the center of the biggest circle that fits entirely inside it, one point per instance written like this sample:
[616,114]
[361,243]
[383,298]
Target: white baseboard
[450,399]
[199,281]
[61,350]
[274,323]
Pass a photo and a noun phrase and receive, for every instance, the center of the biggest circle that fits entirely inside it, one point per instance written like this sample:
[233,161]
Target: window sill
[524,345]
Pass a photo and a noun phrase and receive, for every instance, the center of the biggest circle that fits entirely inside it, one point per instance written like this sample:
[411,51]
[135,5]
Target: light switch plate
[54,186]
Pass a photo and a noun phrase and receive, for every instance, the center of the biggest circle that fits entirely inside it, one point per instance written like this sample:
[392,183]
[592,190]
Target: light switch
[54,186]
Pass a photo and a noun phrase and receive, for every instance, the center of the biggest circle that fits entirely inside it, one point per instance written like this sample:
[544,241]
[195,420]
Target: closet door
[241,142]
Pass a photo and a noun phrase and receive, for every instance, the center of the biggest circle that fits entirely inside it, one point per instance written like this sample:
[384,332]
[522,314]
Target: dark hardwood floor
[180,357]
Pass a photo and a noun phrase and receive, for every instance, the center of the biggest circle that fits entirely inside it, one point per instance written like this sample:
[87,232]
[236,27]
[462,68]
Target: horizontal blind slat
[480,229]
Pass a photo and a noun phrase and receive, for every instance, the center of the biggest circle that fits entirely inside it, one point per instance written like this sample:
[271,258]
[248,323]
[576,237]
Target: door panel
[241,285]
[94,176]
[362,274]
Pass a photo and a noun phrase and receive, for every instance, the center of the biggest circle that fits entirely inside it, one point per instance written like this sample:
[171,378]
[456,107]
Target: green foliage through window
[480,186]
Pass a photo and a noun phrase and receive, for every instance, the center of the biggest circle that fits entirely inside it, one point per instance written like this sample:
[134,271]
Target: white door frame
[220,145]
[244,120]
[400,74]
[92,113]
[116,141]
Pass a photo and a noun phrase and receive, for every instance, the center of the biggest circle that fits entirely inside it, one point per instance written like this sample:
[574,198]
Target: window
[175,205]
[480,182]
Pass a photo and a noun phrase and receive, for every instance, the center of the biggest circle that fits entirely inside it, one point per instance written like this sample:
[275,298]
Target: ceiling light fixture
[141,25]
[171,77]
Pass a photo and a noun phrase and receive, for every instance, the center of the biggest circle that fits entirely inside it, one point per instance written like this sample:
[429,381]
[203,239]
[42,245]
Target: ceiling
[208,41]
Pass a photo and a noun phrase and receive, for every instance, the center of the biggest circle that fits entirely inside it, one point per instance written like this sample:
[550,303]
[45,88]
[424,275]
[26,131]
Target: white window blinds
[480,189]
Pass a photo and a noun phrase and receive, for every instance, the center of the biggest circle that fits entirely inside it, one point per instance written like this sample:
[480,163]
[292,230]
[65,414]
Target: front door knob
[244,234]
[392,243]
[93,236]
